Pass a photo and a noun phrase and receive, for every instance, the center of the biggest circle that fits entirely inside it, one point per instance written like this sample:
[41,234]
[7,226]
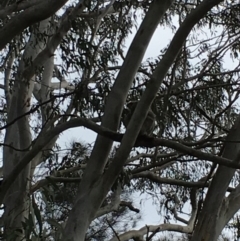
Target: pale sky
[148,212]
[161,39]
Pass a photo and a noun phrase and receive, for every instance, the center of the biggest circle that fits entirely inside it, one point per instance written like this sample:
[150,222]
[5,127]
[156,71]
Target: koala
[149,123]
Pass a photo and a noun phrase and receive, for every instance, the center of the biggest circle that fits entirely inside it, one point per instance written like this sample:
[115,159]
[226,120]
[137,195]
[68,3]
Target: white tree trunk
[19,136]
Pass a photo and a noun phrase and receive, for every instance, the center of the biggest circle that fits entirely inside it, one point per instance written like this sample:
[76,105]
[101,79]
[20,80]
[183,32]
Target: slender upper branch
[28,17]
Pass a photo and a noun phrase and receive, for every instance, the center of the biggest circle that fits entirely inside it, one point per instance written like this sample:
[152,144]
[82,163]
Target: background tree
[64,65]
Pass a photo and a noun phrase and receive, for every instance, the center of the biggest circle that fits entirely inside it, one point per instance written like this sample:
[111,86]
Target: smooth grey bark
[112,116]
[47,137]
[216,210]
[94,186]
[153,86]
[46,110]
[19,136]
[24,19]
[22,96]
[15,195]
[139,234]
[92,190]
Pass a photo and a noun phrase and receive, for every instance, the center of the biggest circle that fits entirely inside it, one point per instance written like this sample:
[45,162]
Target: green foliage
[196,105]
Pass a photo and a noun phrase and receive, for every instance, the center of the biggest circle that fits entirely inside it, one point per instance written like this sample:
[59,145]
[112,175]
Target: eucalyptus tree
[64,65]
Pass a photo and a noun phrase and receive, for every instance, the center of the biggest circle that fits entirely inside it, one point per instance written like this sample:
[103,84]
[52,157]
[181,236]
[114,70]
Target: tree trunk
[209,227]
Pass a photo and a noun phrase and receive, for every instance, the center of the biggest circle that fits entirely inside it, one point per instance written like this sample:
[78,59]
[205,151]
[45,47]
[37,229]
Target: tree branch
[114,205]
[152,228]
[54,41]
[46,136]
[28,17]
[15,7]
